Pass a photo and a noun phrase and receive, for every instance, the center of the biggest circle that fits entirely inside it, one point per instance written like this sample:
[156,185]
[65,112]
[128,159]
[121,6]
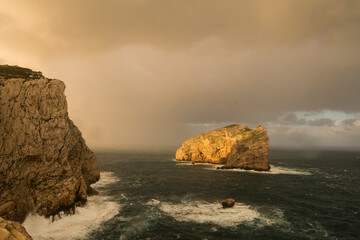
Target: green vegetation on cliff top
[232,130]
[7,72]
[231,126]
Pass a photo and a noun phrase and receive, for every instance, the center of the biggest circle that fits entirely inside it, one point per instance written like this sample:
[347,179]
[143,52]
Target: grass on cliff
[231,125]
[232,130]
[8,72]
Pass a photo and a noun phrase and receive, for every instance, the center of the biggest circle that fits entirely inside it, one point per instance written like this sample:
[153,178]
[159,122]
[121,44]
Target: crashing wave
[98,209]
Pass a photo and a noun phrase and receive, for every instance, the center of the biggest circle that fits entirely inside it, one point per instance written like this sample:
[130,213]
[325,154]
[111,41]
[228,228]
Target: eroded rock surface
[235,146]
[45,165]
[10,230]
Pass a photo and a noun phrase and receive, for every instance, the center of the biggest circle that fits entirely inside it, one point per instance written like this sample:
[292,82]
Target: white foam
[187,163]
[205,212]
[105,179]
[273,170]
[153,202]
[98,209]
[284,170]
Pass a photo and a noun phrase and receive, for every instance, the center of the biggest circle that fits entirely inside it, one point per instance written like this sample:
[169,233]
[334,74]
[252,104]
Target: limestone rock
[228,203]
[45,164]
[10,230]
[235,146]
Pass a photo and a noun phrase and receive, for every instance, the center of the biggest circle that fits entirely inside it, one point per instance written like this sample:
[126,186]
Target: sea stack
[234,146]
[45,165]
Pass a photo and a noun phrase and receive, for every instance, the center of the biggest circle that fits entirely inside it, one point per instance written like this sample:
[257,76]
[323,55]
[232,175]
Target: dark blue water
[310,195]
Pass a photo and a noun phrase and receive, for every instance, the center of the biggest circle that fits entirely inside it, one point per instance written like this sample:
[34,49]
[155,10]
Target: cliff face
[45,164]
[235,146]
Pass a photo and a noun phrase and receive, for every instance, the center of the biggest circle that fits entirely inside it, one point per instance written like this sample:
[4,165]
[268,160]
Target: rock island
[233,146]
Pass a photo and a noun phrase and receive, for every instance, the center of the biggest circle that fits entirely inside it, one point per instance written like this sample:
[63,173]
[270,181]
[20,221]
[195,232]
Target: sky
[153,73]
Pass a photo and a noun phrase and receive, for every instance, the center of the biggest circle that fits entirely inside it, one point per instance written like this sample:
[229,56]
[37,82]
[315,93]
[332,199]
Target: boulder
[11,230]
[228,203]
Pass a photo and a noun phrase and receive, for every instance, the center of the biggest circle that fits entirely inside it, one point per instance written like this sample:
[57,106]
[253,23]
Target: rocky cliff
[235,146]
[45,165]
[10,230]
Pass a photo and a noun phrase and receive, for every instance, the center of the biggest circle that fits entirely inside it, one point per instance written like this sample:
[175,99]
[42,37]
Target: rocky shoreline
[45,163]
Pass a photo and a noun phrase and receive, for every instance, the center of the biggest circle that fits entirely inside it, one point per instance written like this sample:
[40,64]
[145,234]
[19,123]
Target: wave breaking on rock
[44,162]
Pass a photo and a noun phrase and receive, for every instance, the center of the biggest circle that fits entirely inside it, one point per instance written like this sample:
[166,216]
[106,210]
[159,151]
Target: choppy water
[147,195]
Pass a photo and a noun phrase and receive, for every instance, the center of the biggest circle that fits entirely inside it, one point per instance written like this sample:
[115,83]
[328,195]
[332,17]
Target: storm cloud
[322,122]
[152,73]
[349,122]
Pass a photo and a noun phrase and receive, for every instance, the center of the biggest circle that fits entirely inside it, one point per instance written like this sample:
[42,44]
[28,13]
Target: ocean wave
[273,170]
[106,179]
[153,202]
[205,212]
[98,209]
[188,163]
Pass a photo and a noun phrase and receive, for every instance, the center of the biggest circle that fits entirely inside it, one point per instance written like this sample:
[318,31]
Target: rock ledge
[10,230]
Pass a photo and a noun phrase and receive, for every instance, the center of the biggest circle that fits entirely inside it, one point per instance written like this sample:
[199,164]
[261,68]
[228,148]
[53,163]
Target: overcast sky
[152,73]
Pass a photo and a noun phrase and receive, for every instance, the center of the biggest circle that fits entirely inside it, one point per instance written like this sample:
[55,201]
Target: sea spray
[207,212]
[98,209]
[273,170]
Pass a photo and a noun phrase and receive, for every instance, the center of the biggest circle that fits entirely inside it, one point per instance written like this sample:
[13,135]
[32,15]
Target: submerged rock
[235,146]
[45,164]
[228,203]
[10,230]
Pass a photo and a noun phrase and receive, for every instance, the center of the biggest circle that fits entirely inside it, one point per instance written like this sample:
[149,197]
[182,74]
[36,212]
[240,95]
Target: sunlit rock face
[10,230]
[45,165]
[235,146]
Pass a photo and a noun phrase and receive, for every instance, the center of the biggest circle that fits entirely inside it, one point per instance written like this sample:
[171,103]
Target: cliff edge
[45,165]
[235,146]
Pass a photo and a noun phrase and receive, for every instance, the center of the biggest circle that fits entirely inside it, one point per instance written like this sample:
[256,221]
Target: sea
[308,194]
